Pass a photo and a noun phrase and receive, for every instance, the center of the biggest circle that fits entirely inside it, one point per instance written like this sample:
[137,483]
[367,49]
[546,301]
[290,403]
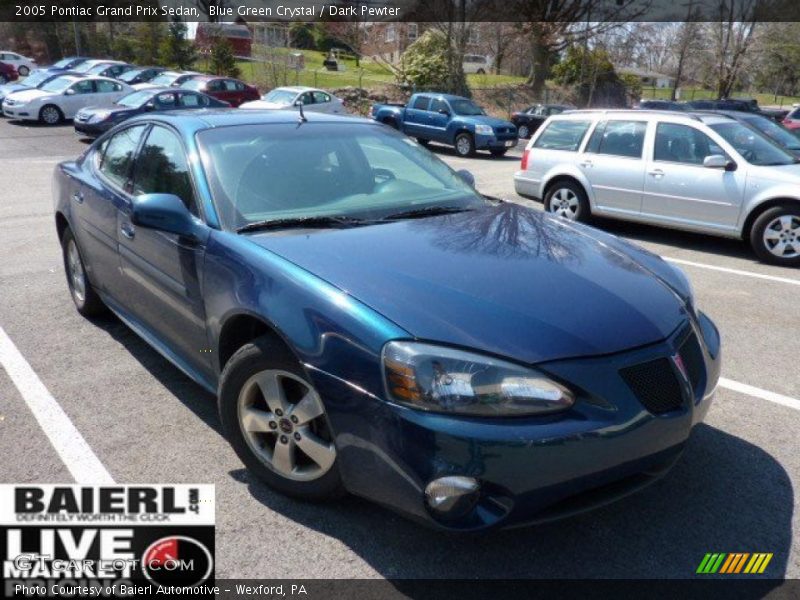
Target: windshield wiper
[428,211]
[319,221]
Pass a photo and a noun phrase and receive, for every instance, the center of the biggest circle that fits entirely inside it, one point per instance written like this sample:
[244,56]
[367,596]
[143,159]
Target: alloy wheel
[564,202]
[523,131]
[77,277]
[50,115]
[23,71]
[283,422]
[782,236]
[463,145]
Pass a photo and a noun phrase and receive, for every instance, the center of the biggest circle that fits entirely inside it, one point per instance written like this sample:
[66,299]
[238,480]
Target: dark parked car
[8,73]
[140,74]
[661,105]
[371,323]
[792,120]
[232,91]
[529,120]
[68,63]
[92,122]
[775,131]
[749,105]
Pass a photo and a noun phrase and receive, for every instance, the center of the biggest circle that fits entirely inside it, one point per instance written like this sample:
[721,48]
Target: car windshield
[194,84]
[165,79]
[466,108]
[135,99]
[128,76]
[781,135]
[754,146]
[59,84]
[63,63]
[84,68]
[37,77]
[279,96]
[282,171]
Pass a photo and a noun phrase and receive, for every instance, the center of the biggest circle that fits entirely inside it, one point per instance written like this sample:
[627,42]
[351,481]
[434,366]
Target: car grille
[82,117]
[655,383]
[502,130]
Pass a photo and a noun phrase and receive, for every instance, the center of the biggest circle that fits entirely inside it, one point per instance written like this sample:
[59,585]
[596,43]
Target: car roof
[296,88]
[190,121]
[622,113]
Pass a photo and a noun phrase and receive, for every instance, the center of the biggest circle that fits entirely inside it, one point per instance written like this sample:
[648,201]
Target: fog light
[452,496]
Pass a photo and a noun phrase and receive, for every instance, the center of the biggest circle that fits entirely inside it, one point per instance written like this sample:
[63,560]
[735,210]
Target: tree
[149,35]
[223,61]
[732,36]
[176,50]
[301,35]
[425,61]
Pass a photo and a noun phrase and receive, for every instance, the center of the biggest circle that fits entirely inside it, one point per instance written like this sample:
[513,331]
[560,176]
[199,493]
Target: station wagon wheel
[567,199]
[775,235]
[524,131]
[276,421]
[86,299]
[50,114]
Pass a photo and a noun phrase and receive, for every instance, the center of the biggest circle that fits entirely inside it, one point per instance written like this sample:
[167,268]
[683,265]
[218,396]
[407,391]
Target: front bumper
[530,469]
[91,129]
[19,112]
[495,142]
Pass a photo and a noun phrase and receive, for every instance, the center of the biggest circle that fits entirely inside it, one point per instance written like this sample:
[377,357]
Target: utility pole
[77,36]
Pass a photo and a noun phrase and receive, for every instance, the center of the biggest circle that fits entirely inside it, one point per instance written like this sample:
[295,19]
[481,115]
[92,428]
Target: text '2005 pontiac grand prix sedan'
[371,324]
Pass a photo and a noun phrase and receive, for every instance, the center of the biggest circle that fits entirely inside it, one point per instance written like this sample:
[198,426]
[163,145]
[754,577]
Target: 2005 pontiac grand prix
[378,327]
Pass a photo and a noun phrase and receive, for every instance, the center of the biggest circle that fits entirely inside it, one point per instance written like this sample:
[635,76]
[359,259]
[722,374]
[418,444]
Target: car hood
[784,174]
[10,88]
[263,104]
[491,121]
[27,95]
[506,280]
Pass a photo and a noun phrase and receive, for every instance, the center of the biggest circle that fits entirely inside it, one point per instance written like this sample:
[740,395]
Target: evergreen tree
[176,50]
[223,61]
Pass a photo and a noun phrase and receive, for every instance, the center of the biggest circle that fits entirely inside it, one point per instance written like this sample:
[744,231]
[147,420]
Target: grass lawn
[367,74]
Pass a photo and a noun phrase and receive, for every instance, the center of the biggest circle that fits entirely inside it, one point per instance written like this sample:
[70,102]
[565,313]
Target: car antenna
[299,104]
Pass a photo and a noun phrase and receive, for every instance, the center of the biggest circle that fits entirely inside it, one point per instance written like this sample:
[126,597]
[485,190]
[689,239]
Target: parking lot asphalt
[733,490]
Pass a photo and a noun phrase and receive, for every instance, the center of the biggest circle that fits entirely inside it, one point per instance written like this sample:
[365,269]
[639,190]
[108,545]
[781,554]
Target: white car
[167,78]
[23,64]
[86,66]
[702,172]
[286,97]
[63,97]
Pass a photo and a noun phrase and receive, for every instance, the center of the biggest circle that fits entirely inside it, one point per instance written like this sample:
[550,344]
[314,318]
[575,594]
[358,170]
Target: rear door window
[562,135]
[618,138]
[118,155]
[421,103]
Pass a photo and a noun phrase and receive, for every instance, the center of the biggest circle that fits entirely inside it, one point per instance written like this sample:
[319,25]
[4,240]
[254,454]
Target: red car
[8,73]
[229,90]
[792,120]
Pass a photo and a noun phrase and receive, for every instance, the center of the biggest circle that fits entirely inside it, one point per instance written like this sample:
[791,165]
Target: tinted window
[320,97]
[683,144]
[307,98]
[618,138]
[162,168]
[230,85]
[118,156]
[437,105]
[562,135]
[754,146]
[193,100]
[216,86]
[421,103]
[106,87]
[167,99]
[83,87]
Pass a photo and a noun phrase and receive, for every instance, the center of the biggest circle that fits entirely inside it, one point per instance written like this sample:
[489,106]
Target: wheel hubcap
[463,146]
[283,422]
[782,236]
[523,132]
[76,276]
[564,202]
[50,115]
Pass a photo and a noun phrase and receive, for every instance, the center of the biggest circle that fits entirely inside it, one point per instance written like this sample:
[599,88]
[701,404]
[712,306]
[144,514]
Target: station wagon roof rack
[671,113]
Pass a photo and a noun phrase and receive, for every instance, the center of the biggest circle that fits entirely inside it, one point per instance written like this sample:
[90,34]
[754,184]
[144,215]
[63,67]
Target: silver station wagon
[706,173]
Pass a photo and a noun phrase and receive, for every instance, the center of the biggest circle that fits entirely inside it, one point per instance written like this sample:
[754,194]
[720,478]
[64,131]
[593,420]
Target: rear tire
[272,430]
[391,123]
[23,71]
[465,145]
[422,142]
[86,299]
[775,235]
[567,199]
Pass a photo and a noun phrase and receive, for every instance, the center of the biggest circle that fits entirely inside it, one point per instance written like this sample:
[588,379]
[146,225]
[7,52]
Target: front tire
[23,71]
[465,145]
[775,236]
[51,115]
[422,142]
[567,199]
[86,299]
[276,422]
[524,132]
[498,152]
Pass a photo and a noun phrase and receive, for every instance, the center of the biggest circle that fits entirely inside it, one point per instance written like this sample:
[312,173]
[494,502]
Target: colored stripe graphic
[711,562]
[733,563]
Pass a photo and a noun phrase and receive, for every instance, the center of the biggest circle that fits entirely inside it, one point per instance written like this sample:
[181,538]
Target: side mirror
[150,106]
[717,161]
[165,212]
[466,176]
[69,92]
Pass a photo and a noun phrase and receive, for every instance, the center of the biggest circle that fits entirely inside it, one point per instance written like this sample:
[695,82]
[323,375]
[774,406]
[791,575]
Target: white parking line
[76,454]
[743,388]
[680,261]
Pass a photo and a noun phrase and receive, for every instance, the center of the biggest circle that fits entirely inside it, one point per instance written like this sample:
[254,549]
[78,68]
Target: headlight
[484,130]
[100,115]
[440,379]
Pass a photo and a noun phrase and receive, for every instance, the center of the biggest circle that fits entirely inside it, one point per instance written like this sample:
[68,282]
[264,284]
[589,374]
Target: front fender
[783,192]
[572,171]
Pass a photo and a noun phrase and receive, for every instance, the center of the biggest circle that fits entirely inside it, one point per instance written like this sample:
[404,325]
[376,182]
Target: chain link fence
[689,94]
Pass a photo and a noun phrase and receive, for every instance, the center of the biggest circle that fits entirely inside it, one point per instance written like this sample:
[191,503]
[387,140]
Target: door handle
[127,230]
[656,173]
[78,197]
[587,163]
